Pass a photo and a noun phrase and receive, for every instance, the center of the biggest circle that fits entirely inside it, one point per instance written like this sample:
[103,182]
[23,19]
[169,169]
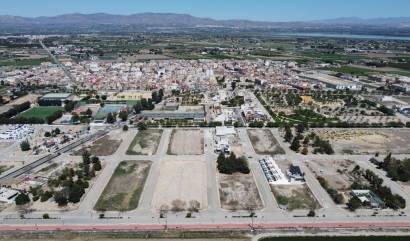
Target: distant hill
[98,22]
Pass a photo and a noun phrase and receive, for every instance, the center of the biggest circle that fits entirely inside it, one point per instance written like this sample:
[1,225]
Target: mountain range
[185,20]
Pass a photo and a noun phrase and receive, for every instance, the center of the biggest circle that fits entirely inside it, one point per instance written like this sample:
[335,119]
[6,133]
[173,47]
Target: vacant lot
[41,112]
[239,192]
[145,142]
[338,174]
[105,146]
[123,191]
[295,197]
[368,141]
[186,142]
[264,142]
[182,182]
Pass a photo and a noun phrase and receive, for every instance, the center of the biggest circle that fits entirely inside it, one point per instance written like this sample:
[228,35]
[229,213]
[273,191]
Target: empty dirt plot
[294,197]
[239,192]
[145,142]
[186,142]
[105,146]
[181,182]
[368,141]
[264,142]
[339,175]
[124,189]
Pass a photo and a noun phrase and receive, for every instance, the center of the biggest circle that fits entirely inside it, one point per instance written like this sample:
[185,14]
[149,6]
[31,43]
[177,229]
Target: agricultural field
[180,183]
[293,197]
[145,142]
[41,112]
[367,141]
[105,146]
[264,142]
[186,142]
[239,192]
[124,189]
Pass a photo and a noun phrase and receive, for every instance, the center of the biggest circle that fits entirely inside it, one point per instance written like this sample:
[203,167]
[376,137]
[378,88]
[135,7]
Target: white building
[8,195]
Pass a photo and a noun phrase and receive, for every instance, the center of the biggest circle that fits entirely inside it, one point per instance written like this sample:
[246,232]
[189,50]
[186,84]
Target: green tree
[22,199]
[75,193]
[111,118]
[25,145]
[60,198]
[354,203]
[123,115]
[288,134]
[295,145]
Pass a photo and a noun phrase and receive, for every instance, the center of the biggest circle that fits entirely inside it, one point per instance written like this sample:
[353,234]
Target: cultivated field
[105,146]
[123,191]
[264,142]
[145,142]
[186,142]
[368,141]
[41,112]
[181,182]
[295,197]
[239,192]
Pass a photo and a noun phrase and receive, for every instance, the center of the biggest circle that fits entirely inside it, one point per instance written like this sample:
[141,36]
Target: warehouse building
[196,113]
[333,82]
[57,97]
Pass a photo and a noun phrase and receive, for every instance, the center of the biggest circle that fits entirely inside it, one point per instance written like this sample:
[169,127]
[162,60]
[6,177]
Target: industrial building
[195,113]
[62,97]
[333,82]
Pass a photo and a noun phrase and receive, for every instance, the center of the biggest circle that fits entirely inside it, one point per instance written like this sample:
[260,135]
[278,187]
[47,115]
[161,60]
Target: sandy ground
[264,142]
[335,172]
[181,180]
[146,142]
[127,180]
[105,146]
[299,196]
[367,141]
[186,142]
[239,192]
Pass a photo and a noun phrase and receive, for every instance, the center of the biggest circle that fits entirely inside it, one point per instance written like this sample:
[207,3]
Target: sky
[265,10]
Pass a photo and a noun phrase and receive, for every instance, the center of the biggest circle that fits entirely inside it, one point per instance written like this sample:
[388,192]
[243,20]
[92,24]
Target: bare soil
[264,142]
[239,192]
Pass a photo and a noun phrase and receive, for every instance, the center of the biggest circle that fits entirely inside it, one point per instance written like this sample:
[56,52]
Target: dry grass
[239,192]
[123,191]
[186,142]
[145,142]
[264,142]
[295,197]
[105,146]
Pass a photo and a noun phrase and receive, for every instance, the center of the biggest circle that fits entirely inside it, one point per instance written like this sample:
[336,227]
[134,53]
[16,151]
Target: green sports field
[40,112]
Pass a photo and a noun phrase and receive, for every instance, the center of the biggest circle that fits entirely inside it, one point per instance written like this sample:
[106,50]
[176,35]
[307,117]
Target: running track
[133,227]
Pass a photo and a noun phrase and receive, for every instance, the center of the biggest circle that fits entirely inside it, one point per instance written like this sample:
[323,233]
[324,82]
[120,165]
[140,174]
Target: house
[367,197]
[295,174]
